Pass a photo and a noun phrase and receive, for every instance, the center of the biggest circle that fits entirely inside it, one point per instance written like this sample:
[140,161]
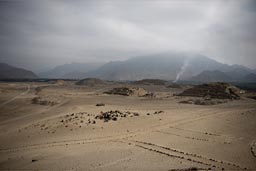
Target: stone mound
[125,91]
[91,82]
[151,82]
[216,90]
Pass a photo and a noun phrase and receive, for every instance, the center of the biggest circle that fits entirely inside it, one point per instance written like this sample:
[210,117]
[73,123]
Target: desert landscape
[145,125]
[119,85]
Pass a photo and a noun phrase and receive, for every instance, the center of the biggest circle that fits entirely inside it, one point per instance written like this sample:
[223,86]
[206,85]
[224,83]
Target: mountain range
[70,71]
[167,66]
[170,66]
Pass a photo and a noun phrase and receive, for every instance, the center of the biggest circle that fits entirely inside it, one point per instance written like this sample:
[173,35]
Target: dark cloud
[38,34]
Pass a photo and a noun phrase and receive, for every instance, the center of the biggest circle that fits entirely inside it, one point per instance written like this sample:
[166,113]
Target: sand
[165,134]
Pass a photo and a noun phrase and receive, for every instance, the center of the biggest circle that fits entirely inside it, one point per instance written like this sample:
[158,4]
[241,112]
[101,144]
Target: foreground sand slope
[163,134]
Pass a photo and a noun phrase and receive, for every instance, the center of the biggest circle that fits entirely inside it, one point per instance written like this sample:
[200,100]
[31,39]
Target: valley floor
[165,134]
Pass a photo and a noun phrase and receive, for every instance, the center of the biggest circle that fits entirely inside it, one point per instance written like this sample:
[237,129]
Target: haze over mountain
[10,72]
[168,66]
[173,66]
[71,71]
[42,34]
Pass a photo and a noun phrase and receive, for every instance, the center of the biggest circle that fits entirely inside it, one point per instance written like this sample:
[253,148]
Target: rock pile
[187,169]
[76,118]
[213,90]
[126,91]
[114,115]
[41,101]
[100,104]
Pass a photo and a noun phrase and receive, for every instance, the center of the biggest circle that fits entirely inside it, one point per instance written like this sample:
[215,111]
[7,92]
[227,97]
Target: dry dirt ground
[163,135]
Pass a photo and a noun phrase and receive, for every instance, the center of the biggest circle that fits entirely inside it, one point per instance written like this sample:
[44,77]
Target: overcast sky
[40,33]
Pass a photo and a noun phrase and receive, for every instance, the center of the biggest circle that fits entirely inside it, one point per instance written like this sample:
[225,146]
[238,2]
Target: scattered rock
[125,91]
[187,169]
[190,101]
[38,90]
[158,112]
[41,101]
[100,104]
[203,101]
[136,114]
[34,160]
[150,95]
[114,115]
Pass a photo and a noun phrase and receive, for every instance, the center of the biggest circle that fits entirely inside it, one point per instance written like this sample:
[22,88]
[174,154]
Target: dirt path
[12,99]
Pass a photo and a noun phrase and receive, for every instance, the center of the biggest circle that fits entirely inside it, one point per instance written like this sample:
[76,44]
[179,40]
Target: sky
[40,34]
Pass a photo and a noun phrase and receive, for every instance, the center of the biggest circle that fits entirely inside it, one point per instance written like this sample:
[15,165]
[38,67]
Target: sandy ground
[64,136]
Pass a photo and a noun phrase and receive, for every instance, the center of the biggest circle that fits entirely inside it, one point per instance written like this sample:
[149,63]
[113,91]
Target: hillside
[249,78]
[71,71]
[166,66]
[211,76]
[11,72]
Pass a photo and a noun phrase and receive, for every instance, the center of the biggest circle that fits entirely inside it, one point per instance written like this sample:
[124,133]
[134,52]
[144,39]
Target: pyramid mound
[216,90]
[151,82]
[125,91]
[91,82]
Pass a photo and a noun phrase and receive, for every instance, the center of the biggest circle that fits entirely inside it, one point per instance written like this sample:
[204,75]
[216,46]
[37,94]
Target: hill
[11,72]
[249,78]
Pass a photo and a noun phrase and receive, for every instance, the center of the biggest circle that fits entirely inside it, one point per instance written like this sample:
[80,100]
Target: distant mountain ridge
[165,66]
[71,71]
[11,72]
